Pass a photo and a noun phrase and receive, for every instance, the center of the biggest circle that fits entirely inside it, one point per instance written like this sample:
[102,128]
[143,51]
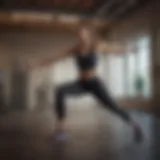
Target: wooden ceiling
[47,22]
[24,14]
[81,7]
[67,6]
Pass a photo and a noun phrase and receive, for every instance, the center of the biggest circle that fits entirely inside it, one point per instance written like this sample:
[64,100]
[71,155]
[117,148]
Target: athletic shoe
[138,135]
[60,136]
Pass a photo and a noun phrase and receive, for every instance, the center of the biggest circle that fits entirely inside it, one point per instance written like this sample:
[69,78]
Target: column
[19,83]
[155,47]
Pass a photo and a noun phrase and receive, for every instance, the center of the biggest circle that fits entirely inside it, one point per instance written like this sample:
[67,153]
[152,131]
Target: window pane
[131,65]
[144,64]
[116,75]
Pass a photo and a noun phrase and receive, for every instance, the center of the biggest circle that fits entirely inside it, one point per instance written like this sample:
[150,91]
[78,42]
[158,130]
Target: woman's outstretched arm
[108,47]
[50,59]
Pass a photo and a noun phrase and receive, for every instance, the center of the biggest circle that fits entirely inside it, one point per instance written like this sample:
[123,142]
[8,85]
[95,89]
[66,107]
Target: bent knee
[60,90]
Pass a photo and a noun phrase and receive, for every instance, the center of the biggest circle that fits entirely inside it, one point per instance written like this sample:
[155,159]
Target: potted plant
[139,85]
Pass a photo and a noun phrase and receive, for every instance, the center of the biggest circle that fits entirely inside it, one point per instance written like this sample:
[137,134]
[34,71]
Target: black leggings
[94,86]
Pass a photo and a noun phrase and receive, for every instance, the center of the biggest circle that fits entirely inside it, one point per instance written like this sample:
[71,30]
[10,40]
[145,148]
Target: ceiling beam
[46,20]
[119,7]
[121,10]
[107,7]
[101,12]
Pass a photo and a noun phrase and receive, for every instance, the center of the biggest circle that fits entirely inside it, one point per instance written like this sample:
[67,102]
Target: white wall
[32,46]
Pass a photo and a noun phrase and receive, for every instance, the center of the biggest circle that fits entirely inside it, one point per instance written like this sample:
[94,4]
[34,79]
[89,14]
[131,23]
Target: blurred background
[31,31]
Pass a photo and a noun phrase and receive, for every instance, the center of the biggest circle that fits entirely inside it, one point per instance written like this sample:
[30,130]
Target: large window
[129,73]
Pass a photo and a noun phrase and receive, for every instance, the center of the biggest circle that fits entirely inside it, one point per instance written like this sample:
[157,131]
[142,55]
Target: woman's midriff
[87,74]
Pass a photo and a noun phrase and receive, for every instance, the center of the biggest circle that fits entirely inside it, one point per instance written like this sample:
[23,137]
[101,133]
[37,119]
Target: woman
[86,60]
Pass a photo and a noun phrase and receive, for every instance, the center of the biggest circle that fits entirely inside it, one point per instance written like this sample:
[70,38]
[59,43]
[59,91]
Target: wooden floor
[93,134]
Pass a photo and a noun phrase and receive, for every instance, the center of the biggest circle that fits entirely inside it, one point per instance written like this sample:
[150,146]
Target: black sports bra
[85,62]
